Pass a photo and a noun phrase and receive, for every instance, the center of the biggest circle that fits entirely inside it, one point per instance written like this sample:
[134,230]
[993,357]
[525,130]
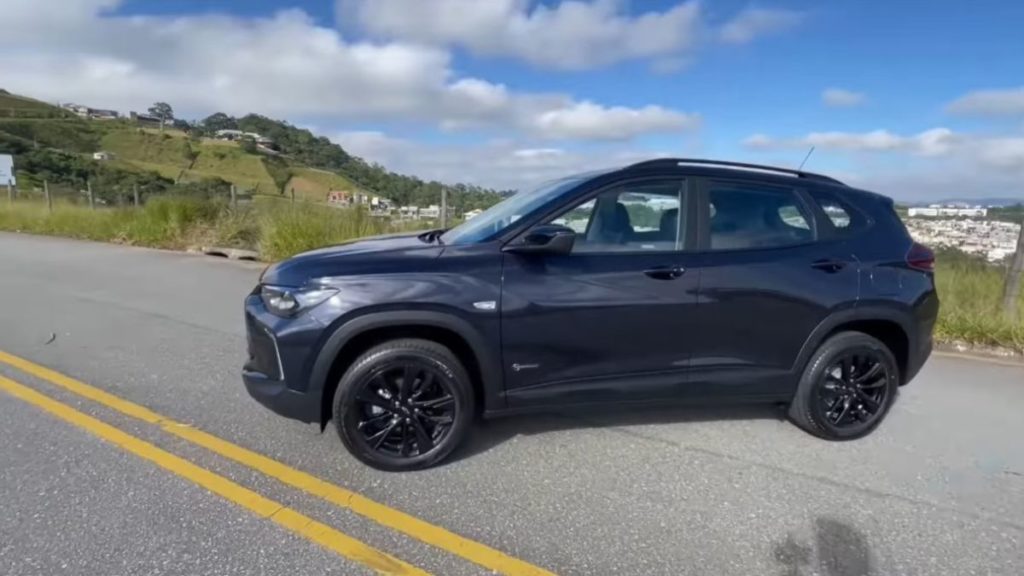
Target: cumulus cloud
[1004,102]
[284,65]
[753,23]
[570,35]
[840,98]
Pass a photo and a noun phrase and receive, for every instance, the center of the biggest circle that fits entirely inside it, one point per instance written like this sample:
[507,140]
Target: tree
[163,112]
[219,121]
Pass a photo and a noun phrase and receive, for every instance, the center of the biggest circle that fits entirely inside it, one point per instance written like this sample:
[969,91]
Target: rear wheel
[404,405]
[847,388]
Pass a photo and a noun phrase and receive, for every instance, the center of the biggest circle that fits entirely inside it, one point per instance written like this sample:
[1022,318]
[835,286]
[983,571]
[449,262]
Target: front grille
[262,350]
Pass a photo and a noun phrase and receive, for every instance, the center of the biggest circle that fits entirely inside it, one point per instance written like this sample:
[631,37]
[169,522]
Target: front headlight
[285,301]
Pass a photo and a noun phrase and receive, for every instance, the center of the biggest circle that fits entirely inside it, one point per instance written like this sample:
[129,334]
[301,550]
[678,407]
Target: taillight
[921,257]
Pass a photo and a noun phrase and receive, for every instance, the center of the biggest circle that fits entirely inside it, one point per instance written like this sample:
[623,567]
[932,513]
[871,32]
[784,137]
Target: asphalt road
[938,489]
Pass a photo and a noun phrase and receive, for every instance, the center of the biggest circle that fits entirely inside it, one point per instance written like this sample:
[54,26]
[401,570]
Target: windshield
[501,215]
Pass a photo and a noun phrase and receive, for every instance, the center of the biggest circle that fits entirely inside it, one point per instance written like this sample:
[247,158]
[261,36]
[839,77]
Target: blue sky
[920,100]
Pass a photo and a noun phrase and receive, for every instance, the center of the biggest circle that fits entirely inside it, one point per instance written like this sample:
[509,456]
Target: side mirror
[545,239]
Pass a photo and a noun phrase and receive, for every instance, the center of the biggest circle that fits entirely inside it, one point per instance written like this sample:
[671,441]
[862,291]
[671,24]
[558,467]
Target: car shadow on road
[840,550]
[488,434]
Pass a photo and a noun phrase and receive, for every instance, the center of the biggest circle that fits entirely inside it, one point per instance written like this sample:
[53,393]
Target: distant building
[228,134]
[102,156]
[473,214]
[92,113]
[948,211]
[145,119]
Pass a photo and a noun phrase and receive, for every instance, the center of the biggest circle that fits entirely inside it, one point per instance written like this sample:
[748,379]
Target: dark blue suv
[666,280]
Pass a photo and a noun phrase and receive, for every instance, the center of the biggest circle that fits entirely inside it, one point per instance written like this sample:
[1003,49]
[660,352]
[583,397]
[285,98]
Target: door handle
[830,266]
[665,272]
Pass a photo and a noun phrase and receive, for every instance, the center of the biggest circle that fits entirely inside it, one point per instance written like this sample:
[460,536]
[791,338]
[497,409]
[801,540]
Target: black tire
[829,401]
[372,399]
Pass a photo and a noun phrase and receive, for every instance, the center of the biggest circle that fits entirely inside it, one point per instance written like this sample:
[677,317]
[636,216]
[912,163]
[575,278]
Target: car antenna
[809,152]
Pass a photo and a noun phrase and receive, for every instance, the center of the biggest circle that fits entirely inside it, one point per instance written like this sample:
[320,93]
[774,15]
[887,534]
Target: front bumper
[277,350]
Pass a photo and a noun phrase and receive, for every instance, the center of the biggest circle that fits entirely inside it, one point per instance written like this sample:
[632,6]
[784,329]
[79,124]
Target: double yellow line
[334,540]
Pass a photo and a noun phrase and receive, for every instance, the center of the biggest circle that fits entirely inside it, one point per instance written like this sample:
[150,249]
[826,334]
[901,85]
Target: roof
[733,167]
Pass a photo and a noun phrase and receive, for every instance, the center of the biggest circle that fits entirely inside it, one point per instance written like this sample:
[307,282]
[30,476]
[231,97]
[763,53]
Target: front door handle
[830,266]
[665,272]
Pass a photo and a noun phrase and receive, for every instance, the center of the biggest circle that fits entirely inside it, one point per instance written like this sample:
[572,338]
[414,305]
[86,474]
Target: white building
[948,211]
[473,213]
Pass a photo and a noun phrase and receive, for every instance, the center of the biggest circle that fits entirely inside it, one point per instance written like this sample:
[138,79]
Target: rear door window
[749,216]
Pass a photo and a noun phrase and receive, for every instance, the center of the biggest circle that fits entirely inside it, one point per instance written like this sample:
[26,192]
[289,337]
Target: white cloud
[840,98]
[282,66]
[571,35]
[500,163]
[932,164]
[934,142]
[589,121]
[753,23]
[1005,102]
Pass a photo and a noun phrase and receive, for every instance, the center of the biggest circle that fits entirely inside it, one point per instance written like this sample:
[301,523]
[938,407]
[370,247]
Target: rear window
[843,217]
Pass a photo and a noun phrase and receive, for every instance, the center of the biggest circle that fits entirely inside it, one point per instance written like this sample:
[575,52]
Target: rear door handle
[830,266]
[665,272]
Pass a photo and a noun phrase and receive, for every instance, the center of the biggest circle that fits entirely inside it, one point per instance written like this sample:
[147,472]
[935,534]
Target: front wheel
[847,388]
[404,405]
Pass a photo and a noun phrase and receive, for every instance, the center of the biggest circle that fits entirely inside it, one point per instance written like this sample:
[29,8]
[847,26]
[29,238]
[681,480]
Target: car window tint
[642,217]
[745,217]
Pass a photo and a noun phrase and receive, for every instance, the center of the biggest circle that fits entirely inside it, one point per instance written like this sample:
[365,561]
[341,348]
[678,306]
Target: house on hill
[91,113]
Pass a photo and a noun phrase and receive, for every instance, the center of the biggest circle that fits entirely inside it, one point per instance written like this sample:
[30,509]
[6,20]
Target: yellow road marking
[302,525]
[407,524]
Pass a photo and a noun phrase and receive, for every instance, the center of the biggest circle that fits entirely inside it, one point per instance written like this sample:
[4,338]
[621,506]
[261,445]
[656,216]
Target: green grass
[313,185]
[231,163]
[153,151]
[276,228]
[970,295]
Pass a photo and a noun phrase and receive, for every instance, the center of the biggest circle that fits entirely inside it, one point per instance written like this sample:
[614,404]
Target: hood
[372,254]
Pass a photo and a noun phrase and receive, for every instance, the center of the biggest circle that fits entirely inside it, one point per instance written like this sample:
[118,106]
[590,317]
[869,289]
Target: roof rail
[671,162]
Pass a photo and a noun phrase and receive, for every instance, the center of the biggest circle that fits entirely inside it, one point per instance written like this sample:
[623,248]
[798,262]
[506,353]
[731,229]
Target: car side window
[636,217]
[743,217]
[844,218]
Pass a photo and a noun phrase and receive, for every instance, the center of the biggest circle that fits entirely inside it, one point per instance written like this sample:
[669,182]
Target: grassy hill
[14,106]
[313,185]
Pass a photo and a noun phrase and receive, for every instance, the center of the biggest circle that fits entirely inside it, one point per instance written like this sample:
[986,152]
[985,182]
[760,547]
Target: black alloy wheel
[404,409]
[847,387]
[404,405]
[853,388]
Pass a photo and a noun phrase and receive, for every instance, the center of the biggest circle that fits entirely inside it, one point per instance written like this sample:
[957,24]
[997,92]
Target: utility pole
[1011,292]
[234,196]
[10,193]
[444,207]
[49,200]
[135,192]
[88,189]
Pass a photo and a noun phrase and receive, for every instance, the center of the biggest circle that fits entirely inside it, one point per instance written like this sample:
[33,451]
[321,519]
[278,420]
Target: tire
[421,422]
[828,389]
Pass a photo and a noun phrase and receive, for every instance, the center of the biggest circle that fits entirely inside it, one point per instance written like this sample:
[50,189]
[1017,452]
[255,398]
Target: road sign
[7,170]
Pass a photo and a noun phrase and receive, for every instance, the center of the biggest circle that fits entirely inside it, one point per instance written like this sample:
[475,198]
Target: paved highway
[115,361]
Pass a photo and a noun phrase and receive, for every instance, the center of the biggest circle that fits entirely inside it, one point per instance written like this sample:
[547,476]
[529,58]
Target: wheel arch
[355,336]
[891,325]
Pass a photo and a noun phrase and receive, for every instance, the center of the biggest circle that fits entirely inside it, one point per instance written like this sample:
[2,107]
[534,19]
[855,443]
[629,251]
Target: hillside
[14,106]
[311,165]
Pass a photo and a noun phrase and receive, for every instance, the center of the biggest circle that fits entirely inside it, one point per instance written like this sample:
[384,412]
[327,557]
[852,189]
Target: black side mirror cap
[544,239]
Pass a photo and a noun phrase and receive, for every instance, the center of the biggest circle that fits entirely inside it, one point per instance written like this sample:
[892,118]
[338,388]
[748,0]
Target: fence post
[1011,292]
[135,192]
[293,194]
[88,189]
[234,196]
[49,199]
[10,193]
[444,207]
